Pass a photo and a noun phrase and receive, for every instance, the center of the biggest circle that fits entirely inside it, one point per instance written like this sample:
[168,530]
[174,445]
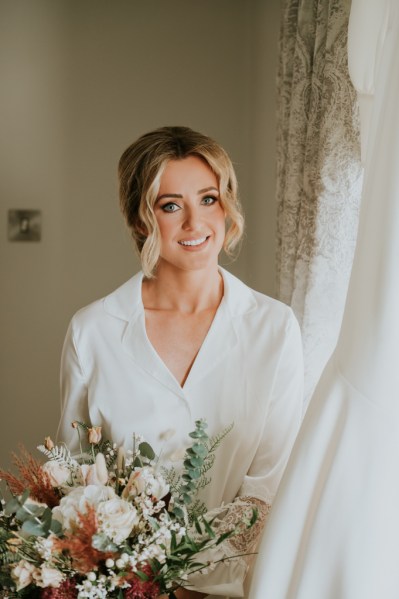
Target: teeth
[193,242]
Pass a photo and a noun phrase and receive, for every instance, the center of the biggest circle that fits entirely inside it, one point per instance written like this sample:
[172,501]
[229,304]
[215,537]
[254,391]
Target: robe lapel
[125,303]
[220,340]
[138,346]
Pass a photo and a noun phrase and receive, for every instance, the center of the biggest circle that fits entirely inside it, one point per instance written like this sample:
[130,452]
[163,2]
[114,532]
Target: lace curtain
[319,173]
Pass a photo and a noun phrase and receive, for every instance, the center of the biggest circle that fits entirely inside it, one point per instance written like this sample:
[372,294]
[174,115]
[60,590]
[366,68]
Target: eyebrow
[178,195]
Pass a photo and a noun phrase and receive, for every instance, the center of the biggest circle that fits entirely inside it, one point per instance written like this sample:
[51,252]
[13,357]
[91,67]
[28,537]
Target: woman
[184,340]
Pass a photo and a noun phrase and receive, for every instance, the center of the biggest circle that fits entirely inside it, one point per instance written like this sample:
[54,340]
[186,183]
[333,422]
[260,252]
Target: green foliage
[198,460]
[36,519]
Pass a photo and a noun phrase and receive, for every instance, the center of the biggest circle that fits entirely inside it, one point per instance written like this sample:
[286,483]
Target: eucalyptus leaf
[103,543]
[46,518]
[199,450]
[198,435]
[32,509]
[196,462]
[55,527]
[178,512]
[194,473]
[33,528]
[146,450]
[25,496]
[12,506]
[22,514]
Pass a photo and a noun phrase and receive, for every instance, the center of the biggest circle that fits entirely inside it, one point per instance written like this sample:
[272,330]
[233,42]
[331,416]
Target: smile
[194,241]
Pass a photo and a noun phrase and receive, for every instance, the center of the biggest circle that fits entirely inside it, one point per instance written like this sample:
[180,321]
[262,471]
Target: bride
[184,339]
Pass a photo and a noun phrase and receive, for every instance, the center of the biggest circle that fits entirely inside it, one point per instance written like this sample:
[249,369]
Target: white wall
[81,79]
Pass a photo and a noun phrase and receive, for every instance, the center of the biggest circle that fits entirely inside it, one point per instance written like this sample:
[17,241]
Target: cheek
[166,226]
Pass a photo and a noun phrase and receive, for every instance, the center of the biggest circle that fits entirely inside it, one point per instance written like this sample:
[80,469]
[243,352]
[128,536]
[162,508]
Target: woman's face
[190,217]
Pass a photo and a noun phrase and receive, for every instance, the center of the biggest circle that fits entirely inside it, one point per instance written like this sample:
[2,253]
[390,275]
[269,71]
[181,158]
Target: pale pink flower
[94,435]
[23,573]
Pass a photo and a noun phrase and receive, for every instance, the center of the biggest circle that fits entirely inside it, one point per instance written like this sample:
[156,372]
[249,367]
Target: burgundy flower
[67,590]
[142,589]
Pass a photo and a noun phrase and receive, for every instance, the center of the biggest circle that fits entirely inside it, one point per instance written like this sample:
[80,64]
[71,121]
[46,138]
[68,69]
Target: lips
[193,242]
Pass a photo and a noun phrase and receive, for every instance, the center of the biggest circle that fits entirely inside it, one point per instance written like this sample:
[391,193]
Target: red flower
[67,590]
[142,589]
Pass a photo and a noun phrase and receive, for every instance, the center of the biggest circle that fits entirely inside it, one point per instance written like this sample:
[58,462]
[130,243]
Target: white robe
[249,371]
[334,529]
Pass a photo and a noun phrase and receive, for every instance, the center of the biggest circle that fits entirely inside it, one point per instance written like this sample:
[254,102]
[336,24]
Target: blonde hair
[140,170]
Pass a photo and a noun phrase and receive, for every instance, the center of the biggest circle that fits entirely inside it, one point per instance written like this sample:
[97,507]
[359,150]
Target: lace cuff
[227,577]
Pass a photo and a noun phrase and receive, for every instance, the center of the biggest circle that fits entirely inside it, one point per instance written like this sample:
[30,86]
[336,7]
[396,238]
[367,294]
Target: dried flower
[167,435]
[32,477]
[48,443]
[94,435]
[78,543]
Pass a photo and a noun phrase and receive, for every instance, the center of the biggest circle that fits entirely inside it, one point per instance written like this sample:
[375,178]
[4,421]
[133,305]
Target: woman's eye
[209,200]
[170,207]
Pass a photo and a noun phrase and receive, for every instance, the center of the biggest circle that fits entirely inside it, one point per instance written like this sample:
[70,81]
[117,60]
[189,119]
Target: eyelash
[165,207]
[213,198]
[169,204]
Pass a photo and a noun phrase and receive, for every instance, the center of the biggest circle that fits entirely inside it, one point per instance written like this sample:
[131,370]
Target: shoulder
[120,304]
[255,306]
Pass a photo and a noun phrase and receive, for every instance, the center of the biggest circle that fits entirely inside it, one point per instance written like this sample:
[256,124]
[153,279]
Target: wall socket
[24,225]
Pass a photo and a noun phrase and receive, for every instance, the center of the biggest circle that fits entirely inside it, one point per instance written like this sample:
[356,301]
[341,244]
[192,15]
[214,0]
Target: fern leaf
[59,453]
[215,441]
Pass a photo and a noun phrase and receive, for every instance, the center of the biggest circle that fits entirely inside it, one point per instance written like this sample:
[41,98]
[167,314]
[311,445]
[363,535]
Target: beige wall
[80,80]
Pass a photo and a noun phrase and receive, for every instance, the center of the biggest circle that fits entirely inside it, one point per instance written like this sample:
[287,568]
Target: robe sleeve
[282,421]
[74,394]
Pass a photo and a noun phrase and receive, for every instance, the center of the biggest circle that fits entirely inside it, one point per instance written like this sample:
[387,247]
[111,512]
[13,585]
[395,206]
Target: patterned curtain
[319,173]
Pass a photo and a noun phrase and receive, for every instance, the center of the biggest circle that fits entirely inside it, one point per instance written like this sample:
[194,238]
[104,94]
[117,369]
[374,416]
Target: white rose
[143,480]
[58,473]
[48,577]
[23,573]
[117,518]
[77,501]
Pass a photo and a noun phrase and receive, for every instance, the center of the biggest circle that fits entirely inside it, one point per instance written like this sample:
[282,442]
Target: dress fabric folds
[334,528]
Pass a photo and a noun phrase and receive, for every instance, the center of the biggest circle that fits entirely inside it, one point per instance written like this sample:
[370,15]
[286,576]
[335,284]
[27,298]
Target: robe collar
[125,303]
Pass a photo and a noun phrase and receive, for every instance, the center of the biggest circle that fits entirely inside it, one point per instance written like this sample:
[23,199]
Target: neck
[183,291]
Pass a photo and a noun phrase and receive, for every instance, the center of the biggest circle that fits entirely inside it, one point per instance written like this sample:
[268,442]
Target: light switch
[24,225]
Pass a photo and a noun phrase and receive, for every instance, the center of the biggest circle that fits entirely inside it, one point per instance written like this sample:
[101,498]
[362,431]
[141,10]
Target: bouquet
[108,523]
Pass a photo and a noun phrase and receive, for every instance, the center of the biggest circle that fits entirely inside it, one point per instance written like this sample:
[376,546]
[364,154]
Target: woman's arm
[74,404]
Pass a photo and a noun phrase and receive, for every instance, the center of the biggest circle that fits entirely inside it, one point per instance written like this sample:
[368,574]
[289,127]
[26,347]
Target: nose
[191,218]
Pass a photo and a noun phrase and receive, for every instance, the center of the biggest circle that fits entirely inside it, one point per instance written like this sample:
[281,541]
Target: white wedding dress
[334,528]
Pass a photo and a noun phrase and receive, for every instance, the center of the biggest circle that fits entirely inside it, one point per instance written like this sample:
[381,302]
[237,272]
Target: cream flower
[143,480]
[78,500]
[58,473]
[22,574]
[48,577]
[117,518]
[97,473]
